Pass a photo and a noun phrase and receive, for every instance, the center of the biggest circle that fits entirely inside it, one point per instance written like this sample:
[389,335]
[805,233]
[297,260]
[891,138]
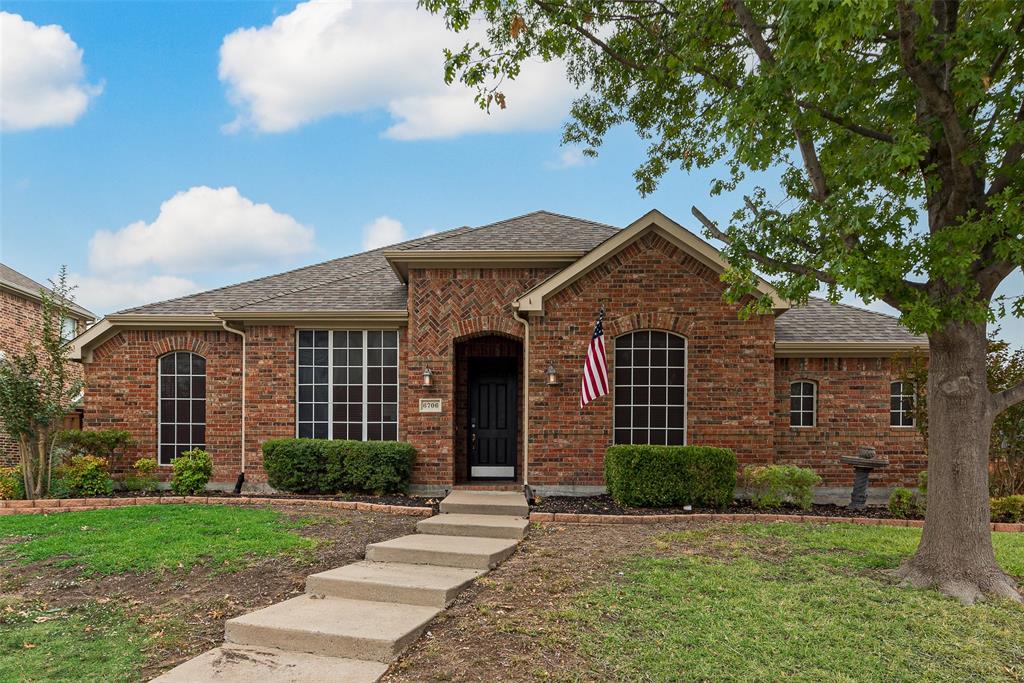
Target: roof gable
[654,220]
[25,286]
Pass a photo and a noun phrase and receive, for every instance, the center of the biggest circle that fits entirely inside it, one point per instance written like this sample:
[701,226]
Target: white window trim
[330,377]
[913,396]
[814,404]
[686,384]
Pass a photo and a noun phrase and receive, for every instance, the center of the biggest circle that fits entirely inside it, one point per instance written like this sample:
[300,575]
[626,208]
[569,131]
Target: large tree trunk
[955,554]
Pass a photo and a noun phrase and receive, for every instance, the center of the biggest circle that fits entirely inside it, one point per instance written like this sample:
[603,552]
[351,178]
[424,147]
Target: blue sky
[341,149]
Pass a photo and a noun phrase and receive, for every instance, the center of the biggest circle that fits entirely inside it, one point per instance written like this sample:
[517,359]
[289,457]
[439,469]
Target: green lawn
[90,642]
[150,537]
[797,603]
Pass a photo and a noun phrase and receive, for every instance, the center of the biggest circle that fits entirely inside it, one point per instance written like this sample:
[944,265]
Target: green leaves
[914,132]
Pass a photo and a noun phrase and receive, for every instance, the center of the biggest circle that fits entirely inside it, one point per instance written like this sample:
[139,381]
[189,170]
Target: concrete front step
[240,664]
[412,584]
[486,503]
[336,627]
[470,552]
[483,526]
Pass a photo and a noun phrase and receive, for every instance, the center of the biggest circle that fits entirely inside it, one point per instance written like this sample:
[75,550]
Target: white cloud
[42,80]
[111,292]
[202,228]
[569,157]
[381,232]
[328,58]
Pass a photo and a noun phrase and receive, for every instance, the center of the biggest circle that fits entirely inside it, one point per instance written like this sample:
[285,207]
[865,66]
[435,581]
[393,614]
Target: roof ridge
[423,238]
[495,224]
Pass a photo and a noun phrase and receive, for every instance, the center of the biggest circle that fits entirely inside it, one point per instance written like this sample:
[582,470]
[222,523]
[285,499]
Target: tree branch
[1007,398]
[803,138]
[1003,175]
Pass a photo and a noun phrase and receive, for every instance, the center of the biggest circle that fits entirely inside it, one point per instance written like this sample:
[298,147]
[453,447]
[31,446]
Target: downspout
[241,475]
[526,399]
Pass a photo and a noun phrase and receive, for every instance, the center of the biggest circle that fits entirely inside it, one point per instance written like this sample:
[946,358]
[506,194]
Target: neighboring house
[21,317]
[446,342]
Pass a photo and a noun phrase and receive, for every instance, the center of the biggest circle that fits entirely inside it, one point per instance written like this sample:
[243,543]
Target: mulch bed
[605,505]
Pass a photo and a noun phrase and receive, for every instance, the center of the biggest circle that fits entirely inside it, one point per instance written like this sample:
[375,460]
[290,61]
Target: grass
[797,603]
[151,537]
[90,642]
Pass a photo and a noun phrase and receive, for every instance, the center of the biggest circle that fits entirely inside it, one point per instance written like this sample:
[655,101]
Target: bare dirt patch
[200,600]
[505,626]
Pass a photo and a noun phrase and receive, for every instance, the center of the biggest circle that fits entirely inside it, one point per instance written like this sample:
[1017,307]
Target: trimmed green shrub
[12,484]
[83,475]
[100,442]
[325,466]
[663,476]
[901,502]
[772,485]
[1008,509]
[379,466]
[144,479]
[192,470]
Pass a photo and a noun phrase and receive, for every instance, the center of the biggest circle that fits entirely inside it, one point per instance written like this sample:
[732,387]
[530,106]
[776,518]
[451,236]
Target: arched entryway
[488,408]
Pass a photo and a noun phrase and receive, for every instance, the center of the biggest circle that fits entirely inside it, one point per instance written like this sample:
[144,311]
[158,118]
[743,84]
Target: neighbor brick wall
[20,321]
[122,385]
[649,285]
[853,411]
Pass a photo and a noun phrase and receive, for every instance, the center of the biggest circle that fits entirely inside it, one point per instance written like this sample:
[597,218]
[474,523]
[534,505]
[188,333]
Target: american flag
[595,368]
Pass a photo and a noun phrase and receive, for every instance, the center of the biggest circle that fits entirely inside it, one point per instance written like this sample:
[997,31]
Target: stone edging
[573,518]
[49,506]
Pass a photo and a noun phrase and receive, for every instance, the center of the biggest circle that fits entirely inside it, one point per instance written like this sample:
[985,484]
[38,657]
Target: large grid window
[650,388]
[347,384]
[182,404]
[803,404]
[901,404]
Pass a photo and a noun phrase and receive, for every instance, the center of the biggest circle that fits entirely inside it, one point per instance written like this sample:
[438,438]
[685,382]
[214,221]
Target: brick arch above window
[162,343]
[182,343]
[484,325]
[665,321]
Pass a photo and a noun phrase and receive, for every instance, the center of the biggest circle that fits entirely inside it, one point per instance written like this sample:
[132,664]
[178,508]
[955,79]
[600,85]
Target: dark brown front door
[492,418]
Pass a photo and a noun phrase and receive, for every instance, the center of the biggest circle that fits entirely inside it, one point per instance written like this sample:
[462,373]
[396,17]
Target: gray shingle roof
[30,287]
[366,282]
[540,230]
[822,321]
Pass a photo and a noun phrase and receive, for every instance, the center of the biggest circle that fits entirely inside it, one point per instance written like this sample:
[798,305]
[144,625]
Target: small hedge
[665,476]
[1008,509]
[772,485]
[325,466]
[12,484]
[83,475]
[192,471]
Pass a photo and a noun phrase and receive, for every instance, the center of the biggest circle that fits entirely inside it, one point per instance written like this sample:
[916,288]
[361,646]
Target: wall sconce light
[427,377]
[552,374]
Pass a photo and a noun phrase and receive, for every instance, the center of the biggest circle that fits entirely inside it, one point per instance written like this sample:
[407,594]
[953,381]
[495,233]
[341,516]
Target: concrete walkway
[353,620]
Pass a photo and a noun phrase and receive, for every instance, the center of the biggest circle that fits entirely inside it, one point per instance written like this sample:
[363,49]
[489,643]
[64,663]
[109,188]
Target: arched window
[650,388]
[803,404]
[901,404]
[182,404]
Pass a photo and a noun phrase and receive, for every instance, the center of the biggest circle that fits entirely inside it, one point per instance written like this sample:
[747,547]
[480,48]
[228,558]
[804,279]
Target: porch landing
[353,620]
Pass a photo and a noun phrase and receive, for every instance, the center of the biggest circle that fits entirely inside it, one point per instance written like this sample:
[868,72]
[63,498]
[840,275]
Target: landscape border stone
[574,518]
[52,506]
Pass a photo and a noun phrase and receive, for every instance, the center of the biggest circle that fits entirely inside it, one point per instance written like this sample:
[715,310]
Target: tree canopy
[898,126]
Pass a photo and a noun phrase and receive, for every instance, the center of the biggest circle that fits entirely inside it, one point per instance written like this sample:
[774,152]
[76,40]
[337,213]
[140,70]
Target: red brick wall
[649,285]
[270,392]
[853,411]
[122,384]
[446,306]
[20,321]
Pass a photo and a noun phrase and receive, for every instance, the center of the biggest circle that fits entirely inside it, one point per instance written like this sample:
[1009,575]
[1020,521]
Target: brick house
[21,317]
[469,344]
